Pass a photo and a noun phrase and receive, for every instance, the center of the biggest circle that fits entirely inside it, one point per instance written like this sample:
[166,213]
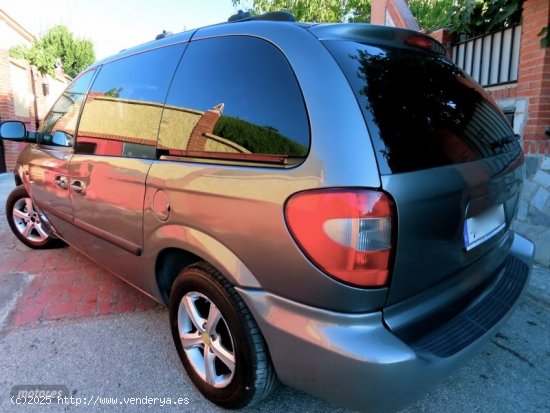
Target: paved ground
[65,321]
[56,284]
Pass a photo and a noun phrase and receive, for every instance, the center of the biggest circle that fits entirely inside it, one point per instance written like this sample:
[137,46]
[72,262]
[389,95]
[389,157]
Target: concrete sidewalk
[116,343]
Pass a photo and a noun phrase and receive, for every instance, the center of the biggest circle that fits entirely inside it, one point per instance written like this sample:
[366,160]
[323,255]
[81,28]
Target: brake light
[420,42]
[345,232]
[426,43]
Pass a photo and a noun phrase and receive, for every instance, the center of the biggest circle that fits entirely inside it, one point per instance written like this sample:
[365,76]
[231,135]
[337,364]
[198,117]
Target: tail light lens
[345,232]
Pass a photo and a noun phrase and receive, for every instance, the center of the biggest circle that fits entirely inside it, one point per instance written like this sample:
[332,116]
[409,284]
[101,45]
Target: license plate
[480,228]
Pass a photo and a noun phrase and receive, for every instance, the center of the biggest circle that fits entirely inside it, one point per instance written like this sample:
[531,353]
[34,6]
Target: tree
[477,17]
[432,14]
[58,43]
[316,10]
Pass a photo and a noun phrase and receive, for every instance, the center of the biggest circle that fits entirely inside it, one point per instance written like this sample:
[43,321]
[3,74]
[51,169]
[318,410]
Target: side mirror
[13,130]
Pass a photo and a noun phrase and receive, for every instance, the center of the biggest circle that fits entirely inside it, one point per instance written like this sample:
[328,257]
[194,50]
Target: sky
[113,25]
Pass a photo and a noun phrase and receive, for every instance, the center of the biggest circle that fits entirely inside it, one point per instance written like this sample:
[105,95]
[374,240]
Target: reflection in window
[248,108]
[59,126]
[123,109]
[422,111]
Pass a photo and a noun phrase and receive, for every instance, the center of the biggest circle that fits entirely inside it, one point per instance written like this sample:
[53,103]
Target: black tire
[253,377]
[39,236]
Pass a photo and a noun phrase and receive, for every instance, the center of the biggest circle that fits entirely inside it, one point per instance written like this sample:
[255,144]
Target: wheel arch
[189,247]
[170,262]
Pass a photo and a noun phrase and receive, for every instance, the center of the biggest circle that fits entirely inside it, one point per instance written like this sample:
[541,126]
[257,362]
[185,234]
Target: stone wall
[533,219]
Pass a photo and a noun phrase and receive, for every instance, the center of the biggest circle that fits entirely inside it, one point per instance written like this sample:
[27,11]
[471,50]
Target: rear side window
[421,110]
[235,98]
[59,126]
[122,113]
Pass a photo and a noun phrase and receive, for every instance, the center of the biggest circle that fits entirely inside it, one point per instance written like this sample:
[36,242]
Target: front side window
[123,109]
[59,126]
[235,98]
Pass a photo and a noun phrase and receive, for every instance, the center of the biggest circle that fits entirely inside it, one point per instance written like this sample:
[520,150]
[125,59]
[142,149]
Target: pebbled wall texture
[533,218]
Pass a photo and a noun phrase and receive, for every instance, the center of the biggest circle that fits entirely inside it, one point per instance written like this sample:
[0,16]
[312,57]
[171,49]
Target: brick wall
[206,124]
[534,77]
[36,110]
[25,87]
[7,111]
[10,149]
[532,95]
[393,13]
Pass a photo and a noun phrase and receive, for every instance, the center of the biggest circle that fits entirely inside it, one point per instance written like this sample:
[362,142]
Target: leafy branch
[58,43]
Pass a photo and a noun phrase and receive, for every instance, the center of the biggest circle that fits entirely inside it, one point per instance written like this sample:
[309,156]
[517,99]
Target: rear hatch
[446,154]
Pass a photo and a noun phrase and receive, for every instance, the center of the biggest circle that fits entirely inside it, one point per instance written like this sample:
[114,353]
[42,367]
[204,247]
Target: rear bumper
[354,360]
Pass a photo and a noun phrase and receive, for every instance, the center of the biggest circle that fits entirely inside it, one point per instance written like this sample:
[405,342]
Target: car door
[116,145]
[50,157]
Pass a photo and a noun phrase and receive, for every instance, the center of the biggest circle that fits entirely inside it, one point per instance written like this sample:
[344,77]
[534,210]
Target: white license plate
[480,228]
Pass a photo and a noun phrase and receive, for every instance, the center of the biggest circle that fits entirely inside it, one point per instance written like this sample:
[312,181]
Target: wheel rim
[28,222]
[206,339]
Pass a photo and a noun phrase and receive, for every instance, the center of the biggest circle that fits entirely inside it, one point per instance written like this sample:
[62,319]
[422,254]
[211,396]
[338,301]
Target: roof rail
[279,16]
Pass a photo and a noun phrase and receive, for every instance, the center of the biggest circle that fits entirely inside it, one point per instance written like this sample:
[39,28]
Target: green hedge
[257,139]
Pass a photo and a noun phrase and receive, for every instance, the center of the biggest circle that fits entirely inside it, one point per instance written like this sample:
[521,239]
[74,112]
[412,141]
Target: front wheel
[26,223]
[218,340]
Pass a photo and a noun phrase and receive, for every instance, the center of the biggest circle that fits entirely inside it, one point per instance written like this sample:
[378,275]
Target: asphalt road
[132,355]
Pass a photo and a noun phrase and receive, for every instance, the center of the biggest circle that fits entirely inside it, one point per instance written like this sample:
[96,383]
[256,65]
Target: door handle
[79,187]
[61,181]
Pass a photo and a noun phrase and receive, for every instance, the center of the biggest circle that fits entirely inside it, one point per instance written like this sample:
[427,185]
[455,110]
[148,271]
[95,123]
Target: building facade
[25,94]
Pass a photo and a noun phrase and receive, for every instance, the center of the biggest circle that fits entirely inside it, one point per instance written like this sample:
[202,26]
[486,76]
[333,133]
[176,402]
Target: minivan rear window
[421,110]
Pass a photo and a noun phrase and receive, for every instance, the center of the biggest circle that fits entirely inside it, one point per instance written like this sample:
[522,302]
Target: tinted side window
[122,112]
[235,98]
[59,126]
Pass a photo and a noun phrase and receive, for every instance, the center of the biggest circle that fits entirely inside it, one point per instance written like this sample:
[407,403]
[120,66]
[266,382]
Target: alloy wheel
[28,222]
[206,339]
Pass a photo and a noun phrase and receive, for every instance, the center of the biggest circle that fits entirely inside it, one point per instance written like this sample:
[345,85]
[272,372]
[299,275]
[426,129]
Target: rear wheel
[217,339]
[26,223]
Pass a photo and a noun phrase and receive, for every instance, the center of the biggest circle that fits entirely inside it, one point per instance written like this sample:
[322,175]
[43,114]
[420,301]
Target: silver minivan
[328,206]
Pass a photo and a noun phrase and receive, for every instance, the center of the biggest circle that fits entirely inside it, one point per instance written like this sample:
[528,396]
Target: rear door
[115,148]
[50,157]
[447,156]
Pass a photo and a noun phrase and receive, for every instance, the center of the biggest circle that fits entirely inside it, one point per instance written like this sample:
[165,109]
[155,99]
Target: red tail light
[426,43]
[420,42]
[345,232]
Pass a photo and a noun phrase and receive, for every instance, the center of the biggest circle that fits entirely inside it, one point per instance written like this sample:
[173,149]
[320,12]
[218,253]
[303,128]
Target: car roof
[362,32]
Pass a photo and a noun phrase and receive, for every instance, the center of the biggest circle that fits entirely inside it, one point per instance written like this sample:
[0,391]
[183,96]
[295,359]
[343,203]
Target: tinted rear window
[421,110]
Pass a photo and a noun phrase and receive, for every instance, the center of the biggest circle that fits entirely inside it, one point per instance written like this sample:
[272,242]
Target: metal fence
[491,59]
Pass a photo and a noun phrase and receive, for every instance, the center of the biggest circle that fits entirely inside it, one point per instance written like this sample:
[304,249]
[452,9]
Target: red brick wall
[206,124]
[444,37]
[378,12]
[6,104]
[534,76]
[507,92]
[7,111]
[398,10]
